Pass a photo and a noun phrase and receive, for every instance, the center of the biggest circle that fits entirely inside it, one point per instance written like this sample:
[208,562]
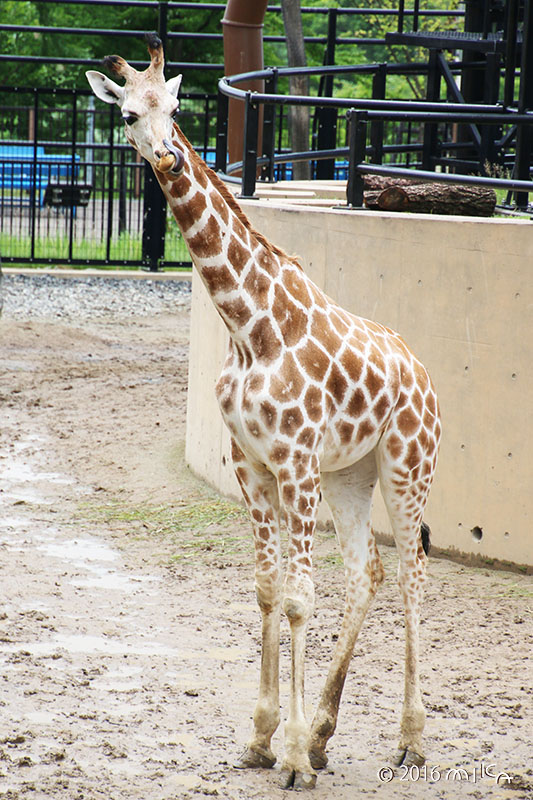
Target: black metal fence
[72,191]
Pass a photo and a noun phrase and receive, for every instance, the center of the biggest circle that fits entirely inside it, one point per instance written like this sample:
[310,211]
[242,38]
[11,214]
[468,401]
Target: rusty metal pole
[243,52]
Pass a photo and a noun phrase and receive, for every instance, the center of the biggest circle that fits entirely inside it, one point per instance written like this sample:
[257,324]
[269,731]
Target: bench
[26,168]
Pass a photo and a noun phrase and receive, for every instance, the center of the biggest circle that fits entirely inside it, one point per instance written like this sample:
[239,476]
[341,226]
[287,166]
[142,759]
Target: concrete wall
[459,290]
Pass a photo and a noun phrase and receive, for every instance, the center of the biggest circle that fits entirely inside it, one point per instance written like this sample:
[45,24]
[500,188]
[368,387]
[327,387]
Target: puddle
[21,473]
[80,550]
[109,579]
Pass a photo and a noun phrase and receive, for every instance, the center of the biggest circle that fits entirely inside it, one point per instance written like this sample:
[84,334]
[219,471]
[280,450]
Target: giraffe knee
[267,592]
[296,610]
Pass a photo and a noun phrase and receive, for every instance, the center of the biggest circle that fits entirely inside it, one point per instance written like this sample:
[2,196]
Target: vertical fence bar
[163,23]
[401,10]
[122,189]
[111,181]
[524,138]
[511,26]
[269,127]
[416,10]
[249,156]
[379,83]
[221,144]
[429,148]
[34,182]
[206,127]
[357,121]
[327,117]
[72,207]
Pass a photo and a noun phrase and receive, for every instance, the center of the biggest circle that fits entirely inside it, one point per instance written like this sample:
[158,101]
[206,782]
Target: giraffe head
[148,104]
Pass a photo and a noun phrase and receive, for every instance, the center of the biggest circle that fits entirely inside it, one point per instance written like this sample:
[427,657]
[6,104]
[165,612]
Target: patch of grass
[206,525]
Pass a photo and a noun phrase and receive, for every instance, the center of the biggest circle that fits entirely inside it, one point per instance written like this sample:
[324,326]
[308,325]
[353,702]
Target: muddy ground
[129,635]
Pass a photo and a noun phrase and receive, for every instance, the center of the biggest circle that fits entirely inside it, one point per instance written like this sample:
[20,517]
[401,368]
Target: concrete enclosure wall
[458,290]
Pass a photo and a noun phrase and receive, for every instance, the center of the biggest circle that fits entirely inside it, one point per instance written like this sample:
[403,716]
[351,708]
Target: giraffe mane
[221,187]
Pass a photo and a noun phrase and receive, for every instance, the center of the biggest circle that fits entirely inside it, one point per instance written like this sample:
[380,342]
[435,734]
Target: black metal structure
[72,191]
[450,137]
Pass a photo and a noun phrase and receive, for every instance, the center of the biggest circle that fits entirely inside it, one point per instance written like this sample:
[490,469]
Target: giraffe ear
[173,85]
[104,88]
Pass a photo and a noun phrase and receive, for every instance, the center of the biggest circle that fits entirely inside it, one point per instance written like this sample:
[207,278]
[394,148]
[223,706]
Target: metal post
[401,10]
[72,208]
[357,121]
[511,27]
[221,152]
[163,23]
[35,177]
[524,137]
[122,188]
[327,117]
[433,95]
[249,156]
[379,82]
[490,133]
[269,128]
[111,181]
[154,221]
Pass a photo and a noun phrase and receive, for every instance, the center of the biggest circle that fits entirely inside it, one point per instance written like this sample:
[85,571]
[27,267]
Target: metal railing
[364,114]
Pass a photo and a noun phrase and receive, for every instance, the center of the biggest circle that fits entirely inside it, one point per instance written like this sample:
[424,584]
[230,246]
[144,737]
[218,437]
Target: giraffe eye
[175,114]
[130,119]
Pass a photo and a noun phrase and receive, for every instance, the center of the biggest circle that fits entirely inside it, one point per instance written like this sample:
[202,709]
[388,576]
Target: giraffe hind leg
[405,506]
[349,495]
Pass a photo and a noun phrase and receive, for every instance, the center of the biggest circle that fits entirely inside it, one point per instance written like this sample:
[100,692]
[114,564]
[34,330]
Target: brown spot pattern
[220,206]
[190,212]
[365,429]
[313,360]
[352,364]
[206,242]
[238,255]
[295,285]
[356,404]
[236,311]
[268,414]
[336,384]
[292,320]
[291,421]
[257,285]
[288,383]
[408,422]
[323,332]
[313,403]
[264,342]
[219,279]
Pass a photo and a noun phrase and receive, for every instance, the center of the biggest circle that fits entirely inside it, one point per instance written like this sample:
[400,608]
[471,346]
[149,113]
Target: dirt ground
[129,634]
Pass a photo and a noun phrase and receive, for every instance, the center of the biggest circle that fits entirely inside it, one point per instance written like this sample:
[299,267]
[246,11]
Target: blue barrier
[30,169]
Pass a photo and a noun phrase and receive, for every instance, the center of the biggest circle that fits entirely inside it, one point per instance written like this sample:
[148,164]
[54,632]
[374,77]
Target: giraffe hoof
[318,758]
[252,759]
[291,779]
[406,757]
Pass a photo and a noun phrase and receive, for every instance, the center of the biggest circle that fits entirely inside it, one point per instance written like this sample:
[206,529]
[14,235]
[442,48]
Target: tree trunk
[402,194]
[298,85]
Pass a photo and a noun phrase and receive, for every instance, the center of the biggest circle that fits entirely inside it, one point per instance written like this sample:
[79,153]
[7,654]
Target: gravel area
[51,296]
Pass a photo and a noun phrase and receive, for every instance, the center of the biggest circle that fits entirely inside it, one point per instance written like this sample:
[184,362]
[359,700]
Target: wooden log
[402,194]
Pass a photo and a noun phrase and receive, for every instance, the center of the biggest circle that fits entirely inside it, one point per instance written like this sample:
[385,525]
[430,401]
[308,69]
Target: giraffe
[316,400]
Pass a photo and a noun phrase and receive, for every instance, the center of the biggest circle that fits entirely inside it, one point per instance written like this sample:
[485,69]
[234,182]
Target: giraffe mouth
[173,161]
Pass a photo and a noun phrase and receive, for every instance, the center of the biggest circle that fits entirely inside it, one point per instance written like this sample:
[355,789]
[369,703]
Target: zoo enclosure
[104,207]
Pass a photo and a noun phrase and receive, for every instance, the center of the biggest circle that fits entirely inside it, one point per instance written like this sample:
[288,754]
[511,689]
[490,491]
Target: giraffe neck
[236,263]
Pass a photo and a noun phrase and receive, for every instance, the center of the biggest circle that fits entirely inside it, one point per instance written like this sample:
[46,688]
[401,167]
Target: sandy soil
[129,635]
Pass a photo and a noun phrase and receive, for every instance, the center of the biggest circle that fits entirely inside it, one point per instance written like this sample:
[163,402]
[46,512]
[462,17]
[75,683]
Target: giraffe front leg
[300,494]
[261,496]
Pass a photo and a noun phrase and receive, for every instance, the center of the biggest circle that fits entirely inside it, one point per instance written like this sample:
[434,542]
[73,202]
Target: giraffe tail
[425,535]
